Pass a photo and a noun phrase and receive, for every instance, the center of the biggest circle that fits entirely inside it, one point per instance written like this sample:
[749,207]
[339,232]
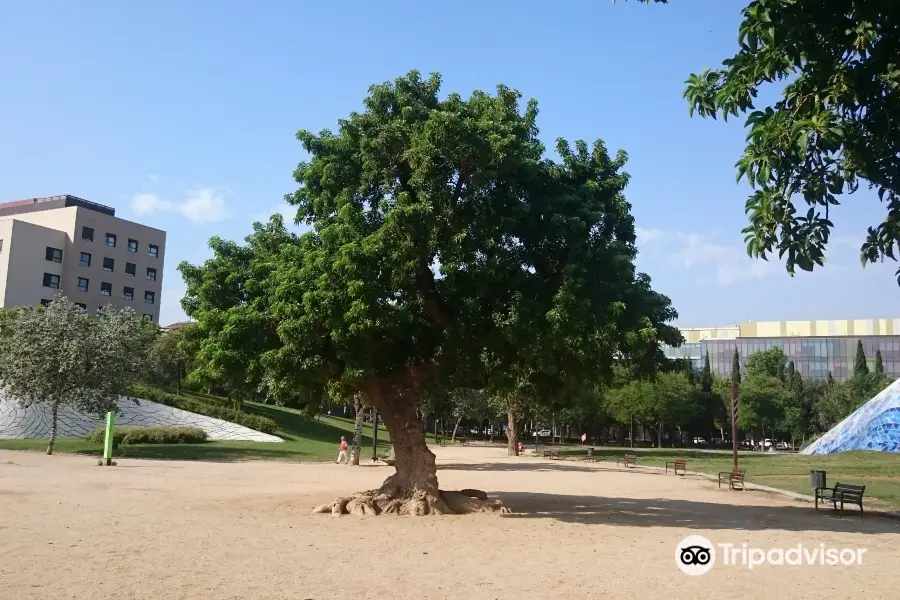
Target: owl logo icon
[695,555]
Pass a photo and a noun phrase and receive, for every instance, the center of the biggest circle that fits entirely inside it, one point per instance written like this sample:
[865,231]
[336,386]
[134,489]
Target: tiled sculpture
[34,422]
[873,426]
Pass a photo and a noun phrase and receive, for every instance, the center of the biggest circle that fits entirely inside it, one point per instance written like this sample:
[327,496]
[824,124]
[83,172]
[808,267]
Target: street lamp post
[734,423]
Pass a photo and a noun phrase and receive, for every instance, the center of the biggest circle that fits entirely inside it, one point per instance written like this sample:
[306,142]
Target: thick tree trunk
[54,413]
[413,488]
[357,432]
[455,429]
[512,434]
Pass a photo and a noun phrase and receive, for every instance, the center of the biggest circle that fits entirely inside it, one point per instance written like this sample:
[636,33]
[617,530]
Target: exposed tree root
[416,503]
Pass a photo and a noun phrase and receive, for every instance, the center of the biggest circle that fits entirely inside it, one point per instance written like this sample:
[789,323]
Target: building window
[149,317]
[105,289]
[111,240]
[132,245]
[81,306]
[53,254]
[51,281]
[85,259]
[149,297]
[87,233]
[130,269]
[82,284]
[109,264]
[45,302]
[151,274]
[153,250]
[128,293]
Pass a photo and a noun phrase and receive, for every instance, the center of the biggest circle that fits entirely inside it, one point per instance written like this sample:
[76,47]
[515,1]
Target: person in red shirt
[343,455]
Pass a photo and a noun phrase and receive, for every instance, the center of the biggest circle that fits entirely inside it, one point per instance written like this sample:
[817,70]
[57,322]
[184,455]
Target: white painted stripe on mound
[34,423]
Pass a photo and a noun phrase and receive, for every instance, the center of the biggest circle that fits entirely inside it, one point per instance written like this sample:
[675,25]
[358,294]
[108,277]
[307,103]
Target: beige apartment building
[68,244]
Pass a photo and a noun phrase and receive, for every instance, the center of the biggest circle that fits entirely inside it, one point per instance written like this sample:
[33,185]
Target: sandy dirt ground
[183,530]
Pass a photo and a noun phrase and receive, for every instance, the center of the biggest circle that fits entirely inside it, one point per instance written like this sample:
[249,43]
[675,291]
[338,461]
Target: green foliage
[761,402]
[706,378]
[736,367]
[769,363]
[833,126]
[669,399]
[60,355]
[879,363]
[860,366]
[127,434]
[167,358]
[445,246]
[255,422]
[839,400]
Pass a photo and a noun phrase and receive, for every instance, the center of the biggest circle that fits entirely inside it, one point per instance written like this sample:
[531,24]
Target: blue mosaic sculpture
[873,426]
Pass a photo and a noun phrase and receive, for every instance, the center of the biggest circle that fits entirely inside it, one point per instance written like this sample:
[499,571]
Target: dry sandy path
[211,531]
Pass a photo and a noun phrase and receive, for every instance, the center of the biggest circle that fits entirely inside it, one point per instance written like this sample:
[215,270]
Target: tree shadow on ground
[549,465]
[661,512]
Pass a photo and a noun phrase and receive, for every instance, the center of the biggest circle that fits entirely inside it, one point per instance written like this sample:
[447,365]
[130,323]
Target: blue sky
[182,115]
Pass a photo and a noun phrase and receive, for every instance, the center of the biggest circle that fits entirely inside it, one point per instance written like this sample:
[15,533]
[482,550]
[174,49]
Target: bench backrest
[630,457]
[737,474]
[848,489]
[680,462]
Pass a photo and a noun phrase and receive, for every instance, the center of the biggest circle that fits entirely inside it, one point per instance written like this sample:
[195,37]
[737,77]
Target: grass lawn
[878,471]
[304,439]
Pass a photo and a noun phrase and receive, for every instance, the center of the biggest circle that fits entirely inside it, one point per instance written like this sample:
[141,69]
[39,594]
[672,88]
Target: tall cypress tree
[736,367]
[706,375]
[830,378]
[879,366]
[859,366]
[791,369]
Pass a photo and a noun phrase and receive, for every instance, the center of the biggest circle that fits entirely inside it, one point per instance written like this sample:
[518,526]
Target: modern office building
[71,245]
[816,347]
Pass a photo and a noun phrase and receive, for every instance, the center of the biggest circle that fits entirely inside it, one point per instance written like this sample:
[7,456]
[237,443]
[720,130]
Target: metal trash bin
[817,479]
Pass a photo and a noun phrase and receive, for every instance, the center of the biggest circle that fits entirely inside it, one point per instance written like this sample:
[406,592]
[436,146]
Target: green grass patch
[305,439]
[878,471]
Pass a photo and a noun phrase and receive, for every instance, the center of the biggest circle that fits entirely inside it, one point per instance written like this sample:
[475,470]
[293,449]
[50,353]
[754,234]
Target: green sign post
[108,442]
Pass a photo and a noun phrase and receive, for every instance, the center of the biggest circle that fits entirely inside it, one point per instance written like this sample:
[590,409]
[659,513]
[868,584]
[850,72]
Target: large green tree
[445,242]
[860,364]
[834,125]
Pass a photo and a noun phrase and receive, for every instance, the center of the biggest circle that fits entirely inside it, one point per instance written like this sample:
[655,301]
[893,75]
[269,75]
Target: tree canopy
[61,355]
[444,245]
[834,126]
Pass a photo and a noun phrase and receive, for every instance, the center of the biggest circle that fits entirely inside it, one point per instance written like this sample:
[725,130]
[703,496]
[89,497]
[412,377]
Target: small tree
[167,360]
[706,379]
[736,367]
[879,365]
[860,367]
[60,355]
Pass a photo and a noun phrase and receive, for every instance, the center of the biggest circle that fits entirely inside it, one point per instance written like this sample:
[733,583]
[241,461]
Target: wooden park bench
[590,455]
[840,494]
[463,441]
[735,477]
[677,464]
[629,460]
[551,454]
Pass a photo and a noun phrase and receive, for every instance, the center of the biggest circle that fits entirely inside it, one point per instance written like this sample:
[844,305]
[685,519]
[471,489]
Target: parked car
[699,440]
[542,433]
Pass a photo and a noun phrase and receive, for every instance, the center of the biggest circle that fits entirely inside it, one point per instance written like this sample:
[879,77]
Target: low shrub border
[150,434]
[256,422]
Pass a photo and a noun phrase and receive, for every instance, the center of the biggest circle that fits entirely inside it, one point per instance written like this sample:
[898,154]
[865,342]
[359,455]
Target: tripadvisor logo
[696,555]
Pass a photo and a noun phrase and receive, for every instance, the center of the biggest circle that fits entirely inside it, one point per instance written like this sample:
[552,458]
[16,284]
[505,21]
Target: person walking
[583,438]
[343,455]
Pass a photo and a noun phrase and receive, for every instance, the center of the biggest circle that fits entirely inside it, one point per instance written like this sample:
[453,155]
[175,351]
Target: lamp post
[734,423]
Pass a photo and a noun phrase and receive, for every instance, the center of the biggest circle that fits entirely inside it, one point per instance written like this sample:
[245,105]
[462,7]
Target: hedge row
[153,434]
[256,422]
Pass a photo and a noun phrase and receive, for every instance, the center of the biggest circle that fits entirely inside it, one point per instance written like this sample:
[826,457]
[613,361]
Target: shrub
[194,405]
[153,434]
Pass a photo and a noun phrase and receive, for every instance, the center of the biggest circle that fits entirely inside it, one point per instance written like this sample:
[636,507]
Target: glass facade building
[814,357]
